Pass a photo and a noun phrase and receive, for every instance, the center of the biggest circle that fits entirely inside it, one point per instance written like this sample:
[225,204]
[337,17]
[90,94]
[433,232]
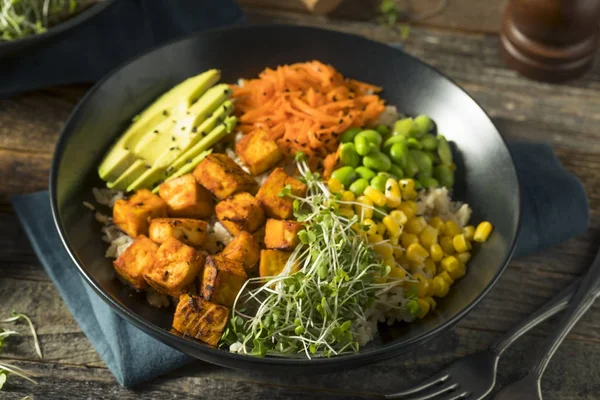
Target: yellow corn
[483,231]
[453,267]
[334,185]
[469,231]
[407,239]
[464,257]
[399,217]
[375,195]
[346,212]
[397,272]
[398,252]
[406,184]
[415,225]
[384,250]
[452,229]
[460,243]
[392,193]
[417,253]
[423,308]
[446,276]
[431,301]
[409,208]
[393,229]
[436,252]
[428,237]
[419,287]
[348,196]
[437,223]
[372,226]
[357,229]
[447,245]
[374,238]
[364,210]
[381,228]
[429,267]
[440,287]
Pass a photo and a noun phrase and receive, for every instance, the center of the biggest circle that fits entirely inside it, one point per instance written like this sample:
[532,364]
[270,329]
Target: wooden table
[566,115]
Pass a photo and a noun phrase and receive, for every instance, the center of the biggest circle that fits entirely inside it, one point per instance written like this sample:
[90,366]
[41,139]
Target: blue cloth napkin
[554,209]
[123,30]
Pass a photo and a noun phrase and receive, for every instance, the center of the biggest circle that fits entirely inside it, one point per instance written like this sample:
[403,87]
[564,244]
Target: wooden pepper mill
[550,40]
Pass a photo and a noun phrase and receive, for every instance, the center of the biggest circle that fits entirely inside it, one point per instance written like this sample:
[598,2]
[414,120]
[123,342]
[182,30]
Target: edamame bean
[423,162]
[379,182]
[349,135]
[377,161]
[399,154]
[444,150]
[372,136]
[413,143]
[418,185]
[429,142]
[387,145]
[365,173]
[383,130]
[444,175]
[423,123]
[346,175]
[396,171]
[429,182]
[358,186]
[349,156]
[403,127]
[434,158]
[411,168]
[362,145]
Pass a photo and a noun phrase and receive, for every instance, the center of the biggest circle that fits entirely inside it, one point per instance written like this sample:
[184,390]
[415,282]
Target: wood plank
[23,172]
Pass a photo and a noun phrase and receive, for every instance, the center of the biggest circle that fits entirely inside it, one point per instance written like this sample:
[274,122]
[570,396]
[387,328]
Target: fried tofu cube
[281,234]
[222,280]
[186,198]
[258,152]
[223,177]
[200,319]
[132,215]
[275,205]
[175,267]
[189,231]
[272,263]
[241,212]
[136,260]
[243,248]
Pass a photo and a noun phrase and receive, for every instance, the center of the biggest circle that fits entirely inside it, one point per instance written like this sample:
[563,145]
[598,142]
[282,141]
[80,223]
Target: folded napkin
[123,30]
[554,209]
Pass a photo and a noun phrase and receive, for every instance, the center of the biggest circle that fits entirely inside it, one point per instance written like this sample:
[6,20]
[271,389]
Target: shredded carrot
[305,106]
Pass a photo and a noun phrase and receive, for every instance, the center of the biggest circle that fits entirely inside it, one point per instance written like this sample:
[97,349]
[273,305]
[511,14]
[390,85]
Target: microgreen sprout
[5,368]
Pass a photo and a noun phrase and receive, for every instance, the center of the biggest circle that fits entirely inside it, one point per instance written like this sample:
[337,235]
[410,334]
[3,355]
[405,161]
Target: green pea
[418,185]
[358,186]
[377,161]
[349,135]
[423,123]
[403,127]
[413,143]
[399,154]
[444,175]
[434,158]
[362,145]
[387,145]
[429,182]
[423,162]
[379,182]
[365,173]
[396,171]
[349,156]
[346,175]
[372,136]
[444,150]
[411,168]
[429,142]
[383,130]
[379,213]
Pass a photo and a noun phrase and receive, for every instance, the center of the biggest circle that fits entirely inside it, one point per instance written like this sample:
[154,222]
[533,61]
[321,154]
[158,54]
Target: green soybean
[349,156]
[433,156]
[383,130]
[429,142]
[377,161]
[444,175]
[346,175]
[387,145]
[413,143]
[349,135]
[429,182]
[379,182]
[423,123]
[418,185]
[372,136]
[444,150]
[399,154]
[423,162]
[403,127]
[362,145]
[358,186]
[365,173]
[411,168]
[396,171]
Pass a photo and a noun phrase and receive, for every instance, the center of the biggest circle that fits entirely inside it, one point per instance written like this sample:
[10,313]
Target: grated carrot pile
[305,106]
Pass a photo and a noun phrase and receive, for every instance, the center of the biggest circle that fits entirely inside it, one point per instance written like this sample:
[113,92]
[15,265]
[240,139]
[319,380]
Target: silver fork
[474,376]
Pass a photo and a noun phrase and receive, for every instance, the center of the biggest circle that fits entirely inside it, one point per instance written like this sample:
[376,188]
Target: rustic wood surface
[567,116]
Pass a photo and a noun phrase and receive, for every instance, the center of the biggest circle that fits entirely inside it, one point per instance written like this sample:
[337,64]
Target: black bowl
[487,177]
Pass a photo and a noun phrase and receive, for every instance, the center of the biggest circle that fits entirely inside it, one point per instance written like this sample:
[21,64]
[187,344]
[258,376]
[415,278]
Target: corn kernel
[390,261]
[399,217]
[418,287]
[453,267]
[394,240]
[371,225]
[423,308]
[334,185]
[357,229]
[447,245]
[374,238]
[381,228]
[423,286]
[440,287]
[437,223]
[392,193]
[469,231]
[483,231]
[397,272]
[393,229]
[452,229]
[407,239]
[415,225]
[429,267]
[406,184]
[365,209]
[409,208]
[384,250]
[348,196]
[446,276]
[436,252]
[375,195]
[431,301]
[464,257]
[428,237]
[460,243]
[417,253]
[346,212]
[403,261]
[398,253]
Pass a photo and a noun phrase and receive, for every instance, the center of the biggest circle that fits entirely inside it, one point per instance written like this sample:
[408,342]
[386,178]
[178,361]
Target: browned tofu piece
[258,152]
[272,262]
[241,212]
[186,198]
[268,194]
[222,280]
[175,267]
[282,235]
[243,248]
[189,231]
[223,177]
[132,215]
[200,319]
[135,260]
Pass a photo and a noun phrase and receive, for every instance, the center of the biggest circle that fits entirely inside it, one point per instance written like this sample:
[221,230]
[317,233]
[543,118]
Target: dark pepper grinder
[550,40]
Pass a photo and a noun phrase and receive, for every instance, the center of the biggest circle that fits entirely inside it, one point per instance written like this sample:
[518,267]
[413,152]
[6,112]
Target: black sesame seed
[188,161]
[334,98]
[173,138]
[172,148]
[388,188]
[341,120]
[194,130]
[322,127]
[165,112]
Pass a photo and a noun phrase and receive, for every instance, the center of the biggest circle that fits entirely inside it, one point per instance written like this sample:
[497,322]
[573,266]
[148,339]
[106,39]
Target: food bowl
[486,177]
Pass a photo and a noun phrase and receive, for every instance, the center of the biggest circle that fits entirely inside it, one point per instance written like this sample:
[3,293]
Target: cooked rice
[388,117]
[156,299]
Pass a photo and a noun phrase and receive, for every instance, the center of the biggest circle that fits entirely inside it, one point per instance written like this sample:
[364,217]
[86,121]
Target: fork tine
[437,379]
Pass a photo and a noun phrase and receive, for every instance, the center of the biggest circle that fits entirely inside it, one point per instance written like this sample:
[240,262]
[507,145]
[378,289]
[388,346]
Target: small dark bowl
[487,178]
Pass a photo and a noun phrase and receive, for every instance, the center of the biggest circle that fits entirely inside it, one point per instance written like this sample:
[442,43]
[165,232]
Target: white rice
[388,117]
[156,299]
[217,237]
[438,202]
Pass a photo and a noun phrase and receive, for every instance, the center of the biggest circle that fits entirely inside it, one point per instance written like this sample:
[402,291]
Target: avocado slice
[136,169]
[189,167]
[119,158]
